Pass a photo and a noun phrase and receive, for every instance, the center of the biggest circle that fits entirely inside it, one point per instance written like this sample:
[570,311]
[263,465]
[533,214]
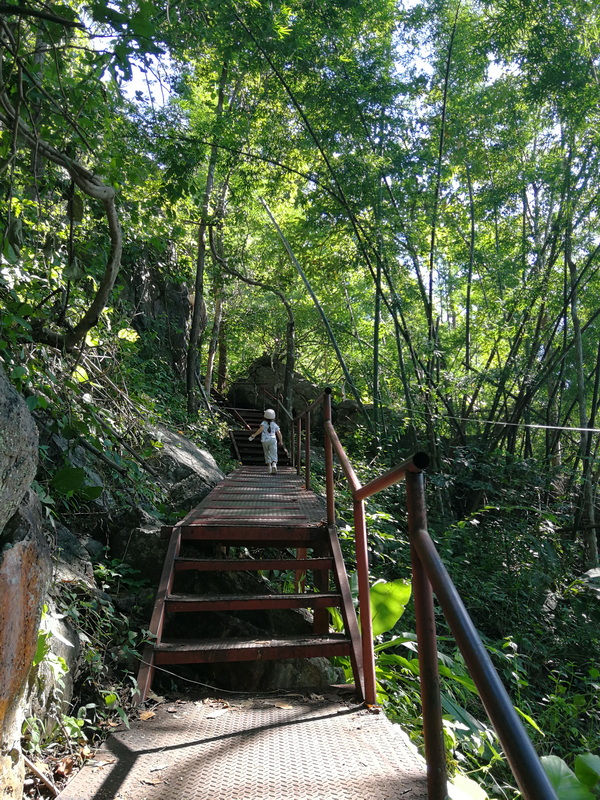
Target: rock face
[268,374]
[18,449]
[24,573]
[189,471]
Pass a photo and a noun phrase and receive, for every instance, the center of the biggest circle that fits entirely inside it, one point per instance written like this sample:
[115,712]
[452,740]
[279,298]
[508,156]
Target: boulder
[136,539]
[18,449]
[25,571]
[189,471]
[268,373]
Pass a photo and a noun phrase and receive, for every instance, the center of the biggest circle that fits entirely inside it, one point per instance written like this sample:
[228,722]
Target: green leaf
[564,780]
[128,334]
[461,715]
[587,769]
[90,492]
[110,699]
[388,601]
[80,375]
[68,479]
[464,680]
[43,647]
[530,720]
[463,788]
[408,640]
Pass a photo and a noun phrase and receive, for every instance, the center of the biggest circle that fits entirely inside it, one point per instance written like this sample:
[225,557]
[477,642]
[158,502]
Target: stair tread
[246,644]
[235,598]
[252,564]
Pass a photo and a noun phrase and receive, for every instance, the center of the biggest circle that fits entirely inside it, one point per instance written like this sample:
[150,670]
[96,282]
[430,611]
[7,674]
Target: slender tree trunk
[214,339]
[222,358]
[198,324]
[469,275]
[288,376]
[587,513]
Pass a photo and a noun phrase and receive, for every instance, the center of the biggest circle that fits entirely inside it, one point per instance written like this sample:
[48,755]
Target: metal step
[260,535]
[251,564]
[251,602]
[204,651]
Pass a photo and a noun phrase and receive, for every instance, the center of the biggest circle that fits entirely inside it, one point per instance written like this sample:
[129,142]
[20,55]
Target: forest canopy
[396,199]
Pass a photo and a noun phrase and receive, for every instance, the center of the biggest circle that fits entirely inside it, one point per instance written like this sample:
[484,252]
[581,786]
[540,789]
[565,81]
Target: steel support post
[435,753]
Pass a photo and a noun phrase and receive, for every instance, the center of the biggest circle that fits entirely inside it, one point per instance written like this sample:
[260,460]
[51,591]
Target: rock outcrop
[24,573]
[189,472]
[266,374]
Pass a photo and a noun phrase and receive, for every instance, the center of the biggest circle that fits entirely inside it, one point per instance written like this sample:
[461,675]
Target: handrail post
[435,753]
[307,452]
[329,487]
[364,602]
[298,450]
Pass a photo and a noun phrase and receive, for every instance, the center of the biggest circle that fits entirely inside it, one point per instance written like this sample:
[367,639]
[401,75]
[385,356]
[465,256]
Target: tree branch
[26,11]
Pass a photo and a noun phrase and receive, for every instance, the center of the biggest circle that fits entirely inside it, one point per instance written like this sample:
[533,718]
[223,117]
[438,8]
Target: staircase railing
[429,575]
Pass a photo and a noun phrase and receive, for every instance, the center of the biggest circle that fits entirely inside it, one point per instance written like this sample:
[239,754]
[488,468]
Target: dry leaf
[151,781]
[113,724]
[160,766]
[95,763]
[147,714]
[217,713]
[41,766]
[281,704]
[172,710]
[64,766]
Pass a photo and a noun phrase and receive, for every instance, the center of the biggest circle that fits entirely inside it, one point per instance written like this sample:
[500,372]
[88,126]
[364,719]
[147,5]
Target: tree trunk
[222,357]
[214,339]
[587,512]
[198,324]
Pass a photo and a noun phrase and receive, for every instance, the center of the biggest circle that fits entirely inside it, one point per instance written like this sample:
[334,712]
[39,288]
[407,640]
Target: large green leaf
[587,769]
[68,479]
[388,601]
[564,780]
[463,788]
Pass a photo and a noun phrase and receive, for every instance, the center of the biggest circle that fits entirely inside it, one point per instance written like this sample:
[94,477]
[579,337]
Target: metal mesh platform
[251,497]
[255,750]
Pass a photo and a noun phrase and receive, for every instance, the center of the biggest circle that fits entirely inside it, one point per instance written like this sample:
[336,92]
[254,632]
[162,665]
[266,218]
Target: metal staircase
[252,509]
[249,453]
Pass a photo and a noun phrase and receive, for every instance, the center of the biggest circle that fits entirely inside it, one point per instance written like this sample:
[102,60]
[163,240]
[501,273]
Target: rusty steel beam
[228,650]
[146,667]
[435,751]
[347,610]
[252,565]
[414,464]
[520,753]
[246,602]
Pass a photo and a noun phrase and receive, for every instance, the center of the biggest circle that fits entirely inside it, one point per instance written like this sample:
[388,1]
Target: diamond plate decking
[250,497]
[255,749]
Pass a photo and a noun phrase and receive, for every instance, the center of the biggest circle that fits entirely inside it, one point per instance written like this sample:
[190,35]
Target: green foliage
[435,172]
[109,653]
[571,785]
[388,601]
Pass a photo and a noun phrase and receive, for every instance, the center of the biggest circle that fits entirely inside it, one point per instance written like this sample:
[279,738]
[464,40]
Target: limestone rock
[24,574]
[268,373]
[18,449]
[190,471]
[136,539]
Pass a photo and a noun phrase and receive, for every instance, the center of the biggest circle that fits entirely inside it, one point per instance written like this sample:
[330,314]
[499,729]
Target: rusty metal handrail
[428,575]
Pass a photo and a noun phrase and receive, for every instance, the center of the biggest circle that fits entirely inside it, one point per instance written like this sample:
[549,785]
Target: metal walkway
[277,748]
[286,522]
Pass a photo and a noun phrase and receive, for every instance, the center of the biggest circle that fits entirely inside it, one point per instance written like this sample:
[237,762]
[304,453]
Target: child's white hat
[269,414]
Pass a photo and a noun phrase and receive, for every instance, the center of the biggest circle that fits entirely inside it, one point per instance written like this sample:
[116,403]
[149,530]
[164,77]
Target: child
[270,434]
